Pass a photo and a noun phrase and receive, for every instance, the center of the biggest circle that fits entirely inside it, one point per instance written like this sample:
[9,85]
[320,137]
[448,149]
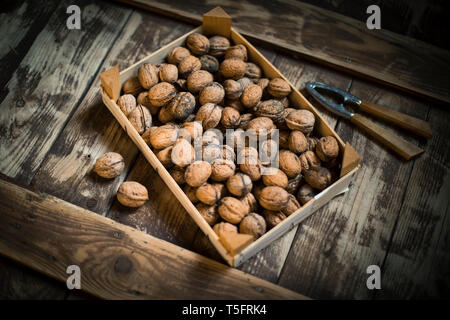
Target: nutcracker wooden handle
[402,147]
[402,120]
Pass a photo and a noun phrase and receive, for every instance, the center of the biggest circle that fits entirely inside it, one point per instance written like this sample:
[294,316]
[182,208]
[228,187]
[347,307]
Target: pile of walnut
[211,82]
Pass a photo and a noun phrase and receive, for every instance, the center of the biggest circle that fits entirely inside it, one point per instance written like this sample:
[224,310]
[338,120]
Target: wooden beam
[328,38]
[116,261]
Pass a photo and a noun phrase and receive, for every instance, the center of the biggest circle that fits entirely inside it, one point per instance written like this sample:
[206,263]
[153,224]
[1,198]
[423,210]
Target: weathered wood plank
[49,83]
[92,131]
[116,261]
[418,261]
[333,248]
[331,39]
[20,23]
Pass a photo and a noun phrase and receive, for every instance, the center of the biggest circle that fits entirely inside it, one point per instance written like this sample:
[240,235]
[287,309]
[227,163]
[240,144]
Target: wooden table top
[54,126]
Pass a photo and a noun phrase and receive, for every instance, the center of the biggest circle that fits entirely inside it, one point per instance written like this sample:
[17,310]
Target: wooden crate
[218,22]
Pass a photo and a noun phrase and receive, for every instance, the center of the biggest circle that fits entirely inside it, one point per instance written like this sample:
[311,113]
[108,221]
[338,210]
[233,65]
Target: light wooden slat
[116,261]
[331,39]
[49,83]
[332,250]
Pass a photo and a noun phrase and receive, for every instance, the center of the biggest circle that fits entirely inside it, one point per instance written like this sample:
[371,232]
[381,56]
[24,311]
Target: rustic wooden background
[54,126]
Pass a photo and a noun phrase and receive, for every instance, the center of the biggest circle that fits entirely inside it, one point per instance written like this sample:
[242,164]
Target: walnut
[273,218]
[197,80]
[309,159]
[190,193]
[222,169]
[279,88]
[245,120]
[146,135]
[197,43]
[228,153]
[291,206]
[209,114]
[273,198]
[182,153]
[132,194]
[211,136]
[239,184]
[230,118]
[140,118]
[253,71]
[305,193]
[165,115]
[251,96]
[218,45]
[197,173]
[285,101]
[165,156]
[245,82]
[212,93]
[132,86]
[211,152]
[318,177]
[208,212]
[297,142]
[250,202]
[110,165]
[312,143]
[283,138]
[210,194]
[233,89]
[281,122]
[294,183]
[164,136]
[302,120]
[126,103]
[289,163]
[249,163]
[327,148]
[209,63]
[177,174]
[253,224]
[268,152]
[189,65]
[236,52]
[275,177]
[272,109]
[161,93]
[264,83]
[191,130]
[231,210]
[233,69]
[168,73]
[182,105]
[224,226]
[148,75]
[177,55]
[180,85]
[260,125]
[144,100]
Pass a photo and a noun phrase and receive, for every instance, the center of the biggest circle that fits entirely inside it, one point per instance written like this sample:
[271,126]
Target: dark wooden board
[116,261]
[47,85]
[331,39]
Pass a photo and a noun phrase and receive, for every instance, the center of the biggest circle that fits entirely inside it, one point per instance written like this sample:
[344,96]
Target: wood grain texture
[117,262]
[47,85]
[331,39]
[92,131]
[332,249]
[418,260]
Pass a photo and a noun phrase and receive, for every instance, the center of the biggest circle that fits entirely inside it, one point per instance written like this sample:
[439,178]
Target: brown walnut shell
[164,136]
[305,193]
[283,138]
[253,71]
[233,69]
[161,93]
[250,202]
[289,163]
[177,55]
[312,143]
[140,118]
[177,174]
[264,83]
[272,109]
[110,165]
[239,184]
[233,89]
[275,177]
[209,114]
[148,75]
[127,103]
[182,153]
[197,173]
[182,105]
[236,52]
[294,183]
[197,43]
[273,198]
[209,194]
[222,169]
[168,73]
[231,210]
[190,193]
[191,130]
[224,227]
[318,177]
[249,163]
[253,224]
[209,213]
[145,101]
[309,159]
[209,63]
[251,96]
[165,115]
[273,218]
[218,45]
[245,120]
[327,148]
[189,65]
[260,125]
[212,93]
[132,194]
[297,142]
[302,120]
[291,206]
[279,88]
[230,118]
[197,80]
[132,86]
[165,156]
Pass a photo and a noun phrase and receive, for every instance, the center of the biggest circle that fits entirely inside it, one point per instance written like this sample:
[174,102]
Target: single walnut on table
[132,194]
[110,165]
